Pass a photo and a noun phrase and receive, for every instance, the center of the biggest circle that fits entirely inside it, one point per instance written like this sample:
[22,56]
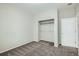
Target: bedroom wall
[16,27]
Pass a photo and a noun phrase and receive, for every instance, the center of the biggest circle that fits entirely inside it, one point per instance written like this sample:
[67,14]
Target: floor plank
[41,48]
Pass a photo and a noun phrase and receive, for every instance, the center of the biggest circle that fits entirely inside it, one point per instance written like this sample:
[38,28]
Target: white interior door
[68,34]
[47,32]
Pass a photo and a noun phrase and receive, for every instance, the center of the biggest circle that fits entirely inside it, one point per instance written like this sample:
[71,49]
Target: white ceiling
[36,8]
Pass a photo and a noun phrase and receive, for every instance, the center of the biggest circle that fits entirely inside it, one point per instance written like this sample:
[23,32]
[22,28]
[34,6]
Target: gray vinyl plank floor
[41,48]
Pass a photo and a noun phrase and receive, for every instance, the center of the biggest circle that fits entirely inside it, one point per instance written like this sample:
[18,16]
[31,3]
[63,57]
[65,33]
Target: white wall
[16,27]
[50,14]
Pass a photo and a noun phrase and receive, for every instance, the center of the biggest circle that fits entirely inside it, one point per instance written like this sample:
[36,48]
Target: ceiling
[35,8]
[43,7]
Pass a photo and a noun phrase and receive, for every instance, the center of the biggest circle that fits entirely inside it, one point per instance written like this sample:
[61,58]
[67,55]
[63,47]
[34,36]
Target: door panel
[68,34]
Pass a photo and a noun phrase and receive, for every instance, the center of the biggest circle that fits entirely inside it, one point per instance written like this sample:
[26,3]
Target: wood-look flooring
[41,48]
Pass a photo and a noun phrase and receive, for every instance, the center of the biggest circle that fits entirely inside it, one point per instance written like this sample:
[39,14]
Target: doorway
[46,30]
[68,32]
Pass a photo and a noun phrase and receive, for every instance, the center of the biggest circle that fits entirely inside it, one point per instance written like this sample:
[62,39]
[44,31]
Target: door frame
[39,26]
